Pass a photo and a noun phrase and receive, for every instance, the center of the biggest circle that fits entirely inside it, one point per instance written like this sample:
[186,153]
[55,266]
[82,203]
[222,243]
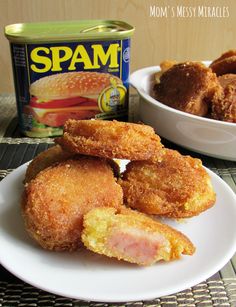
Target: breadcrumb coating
[224,106]
[188,87]
[178,186]
[111,139]
[54,203]
[45,159]
[56,154]
[225,64]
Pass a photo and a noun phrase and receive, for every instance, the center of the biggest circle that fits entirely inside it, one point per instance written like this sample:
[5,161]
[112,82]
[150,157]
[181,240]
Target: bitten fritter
[188,87]
[133,237]
[177,187]
[45,159]
[224,107]
[225,64]
[111,139]
[55,201]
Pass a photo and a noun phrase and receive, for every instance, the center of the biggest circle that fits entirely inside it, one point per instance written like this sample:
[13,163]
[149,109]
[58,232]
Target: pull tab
[102,28]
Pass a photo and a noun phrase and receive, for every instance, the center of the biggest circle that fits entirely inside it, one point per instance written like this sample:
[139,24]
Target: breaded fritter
[167,64]
[188,87]
[164,65]
[132,236]
[54,155]
[111,139]
[55,201]
[225,64]
[45,159]
[224,107]
[177,187]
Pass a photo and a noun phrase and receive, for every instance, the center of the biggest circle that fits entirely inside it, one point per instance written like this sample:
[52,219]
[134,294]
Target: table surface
[15,149]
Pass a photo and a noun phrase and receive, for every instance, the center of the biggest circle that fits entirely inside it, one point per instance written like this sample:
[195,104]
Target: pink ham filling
[138,245]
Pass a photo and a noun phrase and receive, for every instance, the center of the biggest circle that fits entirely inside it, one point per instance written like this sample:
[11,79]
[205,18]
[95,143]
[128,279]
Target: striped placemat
[206,294]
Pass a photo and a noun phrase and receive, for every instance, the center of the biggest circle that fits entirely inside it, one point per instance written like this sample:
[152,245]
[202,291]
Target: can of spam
[75,69]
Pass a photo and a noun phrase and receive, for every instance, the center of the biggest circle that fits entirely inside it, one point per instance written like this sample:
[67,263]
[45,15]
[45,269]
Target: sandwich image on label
[74,95]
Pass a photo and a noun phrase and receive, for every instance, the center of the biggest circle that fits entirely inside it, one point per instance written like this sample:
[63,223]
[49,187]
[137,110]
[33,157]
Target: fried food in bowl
[224,107]
[165,65]
[188,87]
[204,135]
[225,64]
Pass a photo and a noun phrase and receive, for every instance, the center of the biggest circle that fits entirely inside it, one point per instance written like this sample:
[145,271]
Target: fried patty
[56,154]
[132,236]
[111,139]
[188,87]
[54,203]
[45,159]
[225,64]
[167,64]
[224,107]
[177,187]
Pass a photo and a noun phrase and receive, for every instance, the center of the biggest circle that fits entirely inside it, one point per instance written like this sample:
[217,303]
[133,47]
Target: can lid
[68,30]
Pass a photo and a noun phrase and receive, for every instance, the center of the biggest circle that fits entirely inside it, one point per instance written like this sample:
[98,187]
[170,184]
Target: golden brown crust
[188,87]
[99,224]
[167,64]
[225,64]
[71,84]
[56,154]
[225,55]
[45,159]
[55,201]
[111,139]
[224,106]
[178,186]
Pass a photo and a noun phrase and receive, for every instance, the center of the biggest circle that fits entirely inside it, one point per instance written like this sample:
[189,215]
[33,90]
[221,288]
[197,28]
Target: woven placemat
[7,112]
[210,293]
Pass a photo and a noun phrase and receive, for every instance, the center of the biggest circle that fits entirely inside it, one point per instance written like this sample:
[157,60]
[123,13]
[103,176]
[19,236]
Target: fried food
[167,64]
[225,64]
[54,155]
[188,87]
[111,139]
[178,187]
[224,107]
[132,236]
[45,159]
[55,201]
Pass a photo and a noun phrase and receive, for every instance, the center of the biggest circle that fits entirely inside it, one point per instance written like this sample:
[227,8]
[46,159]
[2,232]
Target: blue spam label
[79,80]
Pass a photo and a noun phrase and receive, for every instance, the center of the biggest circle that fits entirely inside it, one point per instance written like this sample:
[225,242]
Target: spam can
[63,70]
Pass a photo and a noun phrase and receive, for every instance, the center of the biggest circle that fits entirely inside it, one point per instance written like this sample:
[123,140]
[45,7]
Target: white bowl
[207,136]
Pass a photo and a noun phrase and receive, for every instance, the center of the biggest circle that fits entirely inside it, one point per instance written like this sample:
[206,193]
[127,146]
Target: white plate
[84,275]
